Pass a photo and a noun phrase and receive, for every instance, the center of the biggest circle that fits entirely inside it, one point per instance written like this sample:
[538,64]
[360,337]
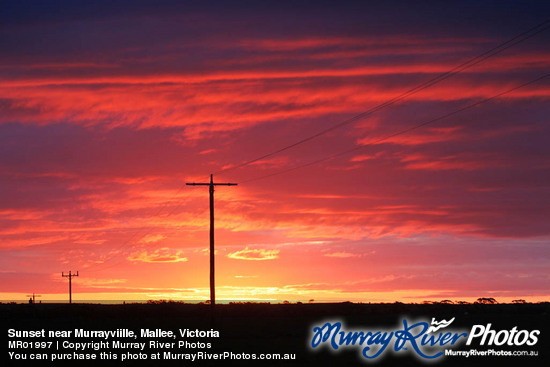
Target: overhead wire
[404,131]
[457,69]
[422,86]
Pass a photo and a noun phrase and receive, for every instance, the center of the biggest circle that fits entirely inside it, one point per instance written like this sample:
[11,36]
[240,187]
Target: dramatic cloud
[254,254]
[160,255]
[106,112]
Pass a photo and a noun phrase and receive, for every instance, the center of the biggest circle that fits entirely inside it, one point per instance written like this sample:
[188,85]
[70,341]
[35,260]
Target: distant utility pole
[33,297]
[211,184]
[70,276]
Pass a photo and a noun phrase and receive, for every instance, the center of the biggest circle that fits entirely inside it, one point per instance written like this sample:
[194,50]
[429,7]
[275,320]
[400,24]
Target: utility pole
[211,184]
[70,276]
[34,297]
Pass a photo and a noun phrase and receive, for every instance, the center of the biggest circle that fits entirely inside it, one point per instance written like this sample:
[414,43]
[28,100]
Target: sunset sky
[108,108]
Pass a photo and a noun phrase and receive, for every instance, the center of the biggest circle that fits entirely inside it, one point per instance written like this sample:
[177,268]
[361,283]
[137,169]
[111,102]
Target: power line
[70,276]
[404,131]
[457,69]
[211,185]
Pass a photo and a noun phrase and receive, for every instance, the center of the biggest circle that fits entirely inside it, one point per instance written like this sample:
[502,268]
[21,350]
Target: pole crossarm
[33,296]
[70,276]
[211,185]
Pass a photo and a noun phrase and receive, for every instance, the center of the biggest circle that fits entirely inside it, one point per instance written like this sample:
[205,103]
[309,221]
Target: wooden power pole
[70,276]
[211,184]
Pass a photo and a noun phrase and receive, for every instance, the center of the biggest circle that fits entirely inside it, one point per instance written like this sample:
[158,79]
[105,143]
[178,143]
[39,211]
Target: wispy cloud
[254,254]
[344,255]
[164,255]
[96,145]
